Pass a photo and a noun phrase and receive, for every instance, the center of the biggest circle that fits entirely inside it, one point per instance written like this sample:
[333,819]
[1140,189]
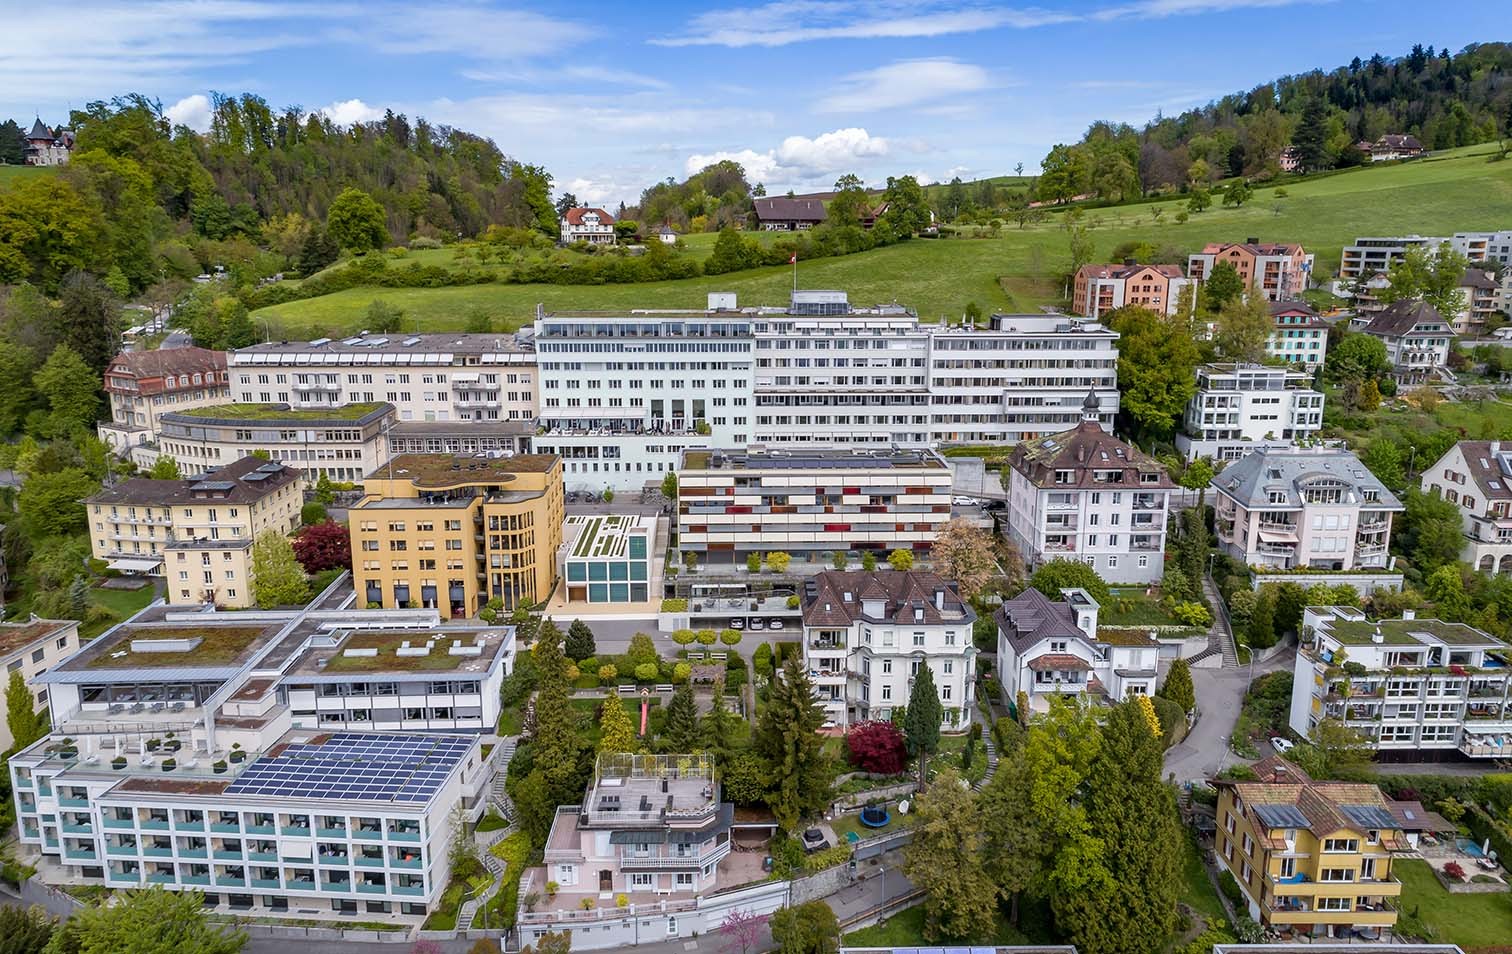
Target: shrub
[730,637]
[753,562]
[1172,720]
[683,637]
[681,672]
[1231,889]
[647,672]
[762,660]
[608,672]
[792,602]
[1192,614]
[671,605]
[877,747]
[1454,872]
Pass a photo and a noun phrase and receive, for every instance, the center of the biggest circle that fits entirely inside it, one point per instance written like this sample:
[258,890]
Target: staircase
[497,797]
[1221,636]
[992,761]
[495,868]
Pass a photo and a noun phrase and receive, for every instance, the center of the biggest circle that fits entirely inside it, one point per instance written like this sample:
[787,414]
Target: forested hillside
[1445,100]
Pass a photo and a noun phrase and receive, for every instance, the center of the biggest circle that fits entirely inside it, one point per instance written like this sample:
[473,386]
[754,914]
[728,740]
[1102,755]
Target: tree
[1432,276]
[21,717]
[1310,138]
[717,727]
[1262,625]
[777,561]
[945,859]
[681,731]
[1013,835]
[731,253]
[808,928]
[12,144]
[921,726]
[1333,750]
[25,930]
[1059,749]
[787,739]
[318,252]
[962,552]
[1056,575]
[1244,328]
[1198,475]
[877,747]
[16,364]
[1429,533]
[277,578]
[51,508]
[907,208]
[850,203]
[1446,588]
[741,931]
[1201,199]
[152,921]
[1178,685]
[71,390]
[1237,193]
[1357,356]
[1078,240]
[901,560]
[165,468]
[580,642]
[551,942]
[356,222]
[1157,363]
[617,731]
[323,546]
[1385,460]
[382,318]
[47,230]
[869,562]
[838,560]
[641,650]
[567,201]
[1222,286]
[669,485]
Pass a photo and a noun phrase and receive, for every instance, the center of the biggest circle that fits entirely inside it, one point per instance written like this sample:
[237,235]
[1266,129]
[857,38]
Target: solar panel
[1281,816]
[1369,816]
[359,766]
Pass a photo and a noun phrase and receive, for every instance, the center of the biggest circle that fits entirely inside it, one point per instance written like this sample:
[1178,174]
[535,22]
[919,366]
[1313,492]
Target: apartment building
[31,648]
[198,533]
[832,374]
[1417,690]
[452,533]
[140,385]
[1279,271]
[1290,507]
[809,503]
[1416,336]
[1370,255]
[1476,476]
[467,392]
[865,635]
[1300,336]
[340,443]
[1098,289]
[178,758]
[1239,407]
[624,394]
[1311,857]
[1049,648]
[609,558]
[1083,494]
[1480,302]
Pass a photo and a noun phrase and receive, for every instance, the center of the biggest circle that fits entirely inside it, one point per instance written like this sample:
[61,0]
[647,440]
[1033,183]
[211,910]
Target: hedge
[1483,826]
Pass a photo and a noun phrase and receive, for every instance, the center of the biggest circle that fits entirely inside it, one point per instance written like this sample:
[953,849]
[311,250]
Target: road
[1220,696]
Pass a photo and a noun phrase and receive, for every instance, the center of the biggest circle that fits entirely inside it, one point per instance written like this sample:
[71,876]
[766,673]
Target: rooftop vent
[183,645]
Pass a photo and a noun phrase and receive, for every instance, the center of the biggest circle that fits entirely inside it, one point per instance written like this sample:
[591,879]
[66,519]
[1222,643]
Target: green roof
[1399,632]
[388,659]
[218,646]
[282,412]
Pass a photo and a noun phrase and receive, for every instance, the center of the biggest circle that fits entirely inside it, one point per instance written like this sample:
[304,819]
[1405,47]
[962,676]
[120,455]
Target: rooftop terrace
[1405,632]
[604,536]
[438,471]
[637,790]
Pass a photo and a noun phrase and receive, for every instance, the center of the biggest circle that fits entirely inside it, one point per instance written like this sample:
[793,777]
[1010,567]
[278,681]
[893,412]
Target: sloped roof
[39,130]
[1254,248]
[575,216]
[1292,308]
[1084,449]
[1320,807]
[1477,278]
[782,208]
[1251,479]
[1403,317]
[163,363]
[1399,141]
[1114,270]
[1490,464]
[838,598]
[1032,616]
[236,482]
[1058,662]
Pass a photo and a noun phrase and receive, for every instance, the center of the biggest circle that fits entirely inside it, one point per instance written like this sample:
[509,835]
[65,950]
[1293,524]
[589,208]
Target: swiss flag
[794,259]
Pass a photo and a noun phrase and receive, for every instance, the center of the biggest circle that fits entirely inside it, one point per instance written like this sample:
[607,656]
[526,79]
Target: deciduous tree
[71,390]
[808,928]
[963,552]
[165,468]
[152,921]
[1157,362]
[1056,575]
[946,860]
[356,222]
[1244,327]
[876,746]
[323,546]
[277,578]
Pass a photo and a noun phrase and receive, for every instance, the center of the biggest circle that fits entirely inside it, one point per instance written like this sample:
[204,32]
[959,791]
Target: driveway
[1220,696]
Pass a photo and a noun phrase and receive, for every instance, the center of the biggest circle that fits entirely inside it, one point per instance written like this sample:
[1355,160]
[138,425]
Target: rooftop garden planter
[170,764]
[118,763]
[219,767]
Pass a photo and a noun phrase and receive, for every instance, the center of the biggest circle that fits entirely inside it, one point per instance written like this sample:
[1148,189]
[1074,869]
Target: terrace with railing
[638,790]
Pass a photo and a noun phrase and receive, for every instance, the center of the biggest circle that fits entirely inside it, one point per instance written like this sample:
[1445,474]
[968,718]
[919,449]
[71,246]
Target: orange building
[1099,289]
[1279,271]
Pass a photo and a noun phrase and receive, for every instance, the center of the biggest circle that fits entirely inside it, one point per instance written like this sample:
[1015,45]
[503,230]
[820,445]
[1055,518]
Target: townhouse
[865,635]
[1289,508]
[141,385]
[809,504]
[31,648]
[197,533]
[340,443]
[1416,336]
[1415,689]
[1085,495]
[1278,271]
[453,533]
[1098,289]
[1300,336]
[1476,476]
[594,226]
[1314,858]
[1048,648]
[1239,407]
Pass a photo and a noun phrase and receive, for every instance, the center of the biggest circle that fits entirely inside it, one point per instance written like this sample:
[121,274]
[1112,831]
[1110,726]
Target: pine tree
[681,732]
[1310,138]
[1014,839]
[787,739]
[921,725]
[78,597]
[1178,685]
[945,859]
[716,727]
[556,740]
[580,643]
[617,731]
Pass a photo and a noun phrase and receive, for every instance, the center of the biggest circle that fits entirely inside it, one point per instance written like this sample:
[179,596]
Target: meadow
[1014,271]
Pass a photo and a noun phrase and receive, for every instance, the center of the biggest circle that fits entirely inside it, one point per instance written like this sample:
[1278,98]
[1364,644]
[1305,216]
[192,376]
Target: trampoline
[875,816]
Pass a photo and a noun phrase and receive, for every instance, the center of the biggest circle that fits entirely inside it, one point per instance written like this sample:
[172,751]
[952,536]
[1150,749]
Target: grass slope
[10,174]
[1469,920]
[1456,192]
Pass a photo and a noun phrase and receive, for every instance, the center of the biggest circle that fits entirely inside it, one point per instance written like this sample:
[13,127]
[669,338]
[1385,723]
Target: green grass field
[9,174]
[1013,272]
[1469,920]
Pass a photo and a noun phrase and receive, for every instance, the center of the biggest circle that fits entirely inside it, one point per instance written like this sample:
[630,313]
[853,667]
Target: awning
[1272,536]
[127,565]
[653,837]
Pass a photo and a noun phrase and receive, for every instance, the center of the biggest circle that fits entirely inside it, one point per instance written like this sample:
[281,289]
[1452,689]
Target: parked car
[961,501]
[774,623]
[737,622]
[757,623]
[1282,745]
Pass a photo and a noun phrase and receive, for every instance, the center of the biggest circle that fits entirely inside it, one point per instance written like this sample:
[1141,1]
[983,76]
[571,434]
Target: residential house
[594,226]
[1396,146]
[31,648]
[141,385]
[785,214]
[1311,857]
[1239,407]
[1098,289]
[1476,476]
[1290,159]
[1417,689]
[1416,336]
[1085,495]
[865,635]
[1289,508]
[1279,271]
[48,147]
[1481,302]
[197,533]
[1372,255]
[1048,648]
[1300,336]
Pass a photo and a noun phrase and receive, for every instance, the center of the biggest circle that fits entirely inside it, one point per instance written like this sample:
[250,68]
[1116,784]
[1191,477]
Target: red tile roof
[575,216]
[1058,662]
[150,368]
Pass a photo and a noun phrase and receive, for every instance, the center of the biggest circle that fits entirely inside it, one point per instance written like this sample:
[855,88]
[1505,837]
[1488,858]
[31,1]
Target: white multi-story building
[865,635]
[1300,336]
[1290,508]
[1085,495]
[343,443]
[594,226]
[1476,476]
[1423,689]
[1239,407]
[1416,336]
[623,394]
[31,648]
[466,393]
[269,759]
[1369,255]
[1048,648]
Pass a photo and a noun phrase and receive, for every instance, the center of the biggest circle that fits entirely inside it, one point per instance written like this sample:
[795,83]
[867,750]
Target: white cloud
[923,178]
[349,111]
[759,166]
[800,159]
[605,191]
[904,83]
[192,111]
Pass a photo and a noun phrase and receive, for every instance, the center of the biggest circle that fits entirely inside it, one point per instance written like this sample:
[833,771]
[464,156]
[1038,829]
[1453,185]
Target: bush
[671,605]
[647,672]
[792,602]
[1172,720]
[683,637]
[608,672]
[705,637]
[1454,872]
[877,747]
[681,672]
[730,637]
[312,513]
[1231,889]
[762,660]
[1192,614]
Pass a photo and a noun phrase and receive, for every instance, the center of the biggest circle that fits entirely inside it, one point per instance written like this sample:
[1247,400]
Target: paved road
[1220,695]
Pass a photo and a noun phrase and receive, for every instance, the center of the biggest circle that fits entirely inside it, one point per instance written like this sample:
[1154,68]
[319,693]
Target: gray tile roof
[1251,479]
[1032,616]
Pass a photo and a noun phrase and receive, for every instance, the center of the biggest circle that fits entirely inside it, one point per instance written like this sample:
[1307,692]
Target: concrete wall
[1364,583]
[970,477]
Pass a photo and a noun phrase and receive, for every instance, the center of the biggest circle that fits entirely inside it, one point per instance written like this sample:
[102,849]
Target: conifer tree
[580,643]
[921,724]
[716,726]
[681,732]
[556,741]
[616,728]
[946,860]
[1178,685]
[787,739]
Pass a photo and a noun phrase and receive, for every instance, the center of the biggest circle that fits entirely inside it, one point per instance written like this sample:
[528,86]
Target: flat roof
[1404,632]
[16,636]
[240,413]
[603,536]
[204,647]
[360,766]
[333,661]
[437,471]
[367,343]
[822,458]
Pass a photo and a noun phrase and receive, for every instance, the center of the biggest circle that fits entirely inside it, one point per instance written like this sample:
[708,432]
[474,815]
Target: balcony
[75,828]
[408,890]
[125,877]
[268,883]
[365,888]
[195,879]
[300,884]
[333,860]
[342,886]
[224,828]
[154,825]
[1146,502]
[160,878]
[410,837]
[157,852]
[73,802]
[368,834]
[296,831]
[197,853]
[261,856]
[80,854]
[225,881]
[260,830]
[415,863]
[363,861]
[331,832]
[223,855]
[121,851]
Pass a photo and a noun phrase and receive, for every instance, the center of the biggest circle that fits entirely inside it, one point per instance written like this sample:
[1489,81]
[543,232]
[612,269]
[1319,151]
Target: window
[642,880]
[1341,845]
[1333,904]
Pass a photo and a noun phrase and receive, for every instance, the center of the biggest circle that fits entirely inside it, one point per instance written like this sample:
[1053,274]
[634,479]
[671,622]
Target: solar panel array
[1281,816]
[358,766]
[1370,816]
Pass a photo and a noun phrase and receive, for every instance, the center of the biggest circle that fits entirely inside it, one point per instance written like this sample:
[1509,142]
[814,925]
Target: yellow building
[197,534]
[1311,857]
[452,533]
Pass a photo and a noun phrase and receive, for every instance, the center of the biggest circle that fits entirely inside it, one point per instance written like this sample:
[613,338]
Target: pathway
[1221,635]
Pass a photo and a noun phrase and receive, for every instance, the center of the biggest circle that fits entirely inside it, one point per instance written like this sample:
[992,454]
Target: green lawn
[1469,920]
[1133,608]
[9,174]
[852,823]
[1197,889]
[1013,272]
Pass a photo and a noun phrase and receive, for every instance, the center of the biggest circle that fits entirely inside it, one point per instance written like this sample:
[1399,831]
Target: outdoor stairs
[495,868]
[1221,638]
[990,751]
[497,797]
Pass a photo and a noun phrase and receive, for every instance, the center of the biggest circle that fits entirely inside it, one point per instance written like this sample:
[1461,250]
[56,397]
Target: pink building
[1279,271]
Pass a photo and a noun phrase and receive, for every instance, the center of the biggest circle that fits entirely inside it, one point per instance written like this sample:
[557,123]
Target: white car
[960,501]
[774,623]
[1282,745]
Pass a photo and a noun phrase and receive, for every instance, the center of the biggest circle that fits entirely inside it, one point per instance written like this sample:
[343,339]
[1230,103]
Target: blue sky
[613,96]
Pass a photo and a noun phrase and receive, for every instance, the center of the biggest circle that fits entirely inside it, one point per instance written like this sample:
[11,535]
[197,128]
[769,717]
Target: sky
[611,97]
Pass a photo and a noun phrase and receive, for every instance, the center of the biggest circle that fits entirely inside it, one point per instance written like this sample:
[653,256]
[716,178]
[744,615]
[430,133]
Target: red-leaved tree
[876,747]
[323,546]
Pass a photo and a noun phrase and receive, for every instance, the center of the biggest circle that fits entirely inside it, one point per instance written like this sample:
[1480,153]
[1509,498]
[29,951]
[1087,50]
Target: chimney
[1376,636]
[1408,614]
[1496,447]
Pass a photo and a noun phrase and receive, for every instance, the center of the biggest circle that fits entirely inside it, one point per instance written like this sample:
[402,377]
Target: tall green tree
[50,507]
[1178,685]
[356,222]
[808,928]
[1197,475]
[152,921]
[1060,574]
[681,732]
[70,389]
[277,577]
[1014,848]
[946,859]
[1059,750]
[1157,364]
[1244,327]
[580,643]
[1222,286]
[12,144]
[1446,588]
[907,209]
[787,740]
[717,726]
[1310,138]
[24,930]
[921,724]
[556,736]
[16,364]
[21,717]
[165,468]
[1430,532]
[47,230]
[617,731]
[1430,275]
[89,319]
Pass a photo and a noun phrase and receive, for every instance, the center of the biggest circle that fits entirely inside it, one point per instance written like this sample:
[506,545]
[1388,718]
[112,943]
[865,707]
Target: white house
[1476,476]
[594,226]
[865,635]
[1300,336]
[1047,648]
[1417,338]
[1239,407]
